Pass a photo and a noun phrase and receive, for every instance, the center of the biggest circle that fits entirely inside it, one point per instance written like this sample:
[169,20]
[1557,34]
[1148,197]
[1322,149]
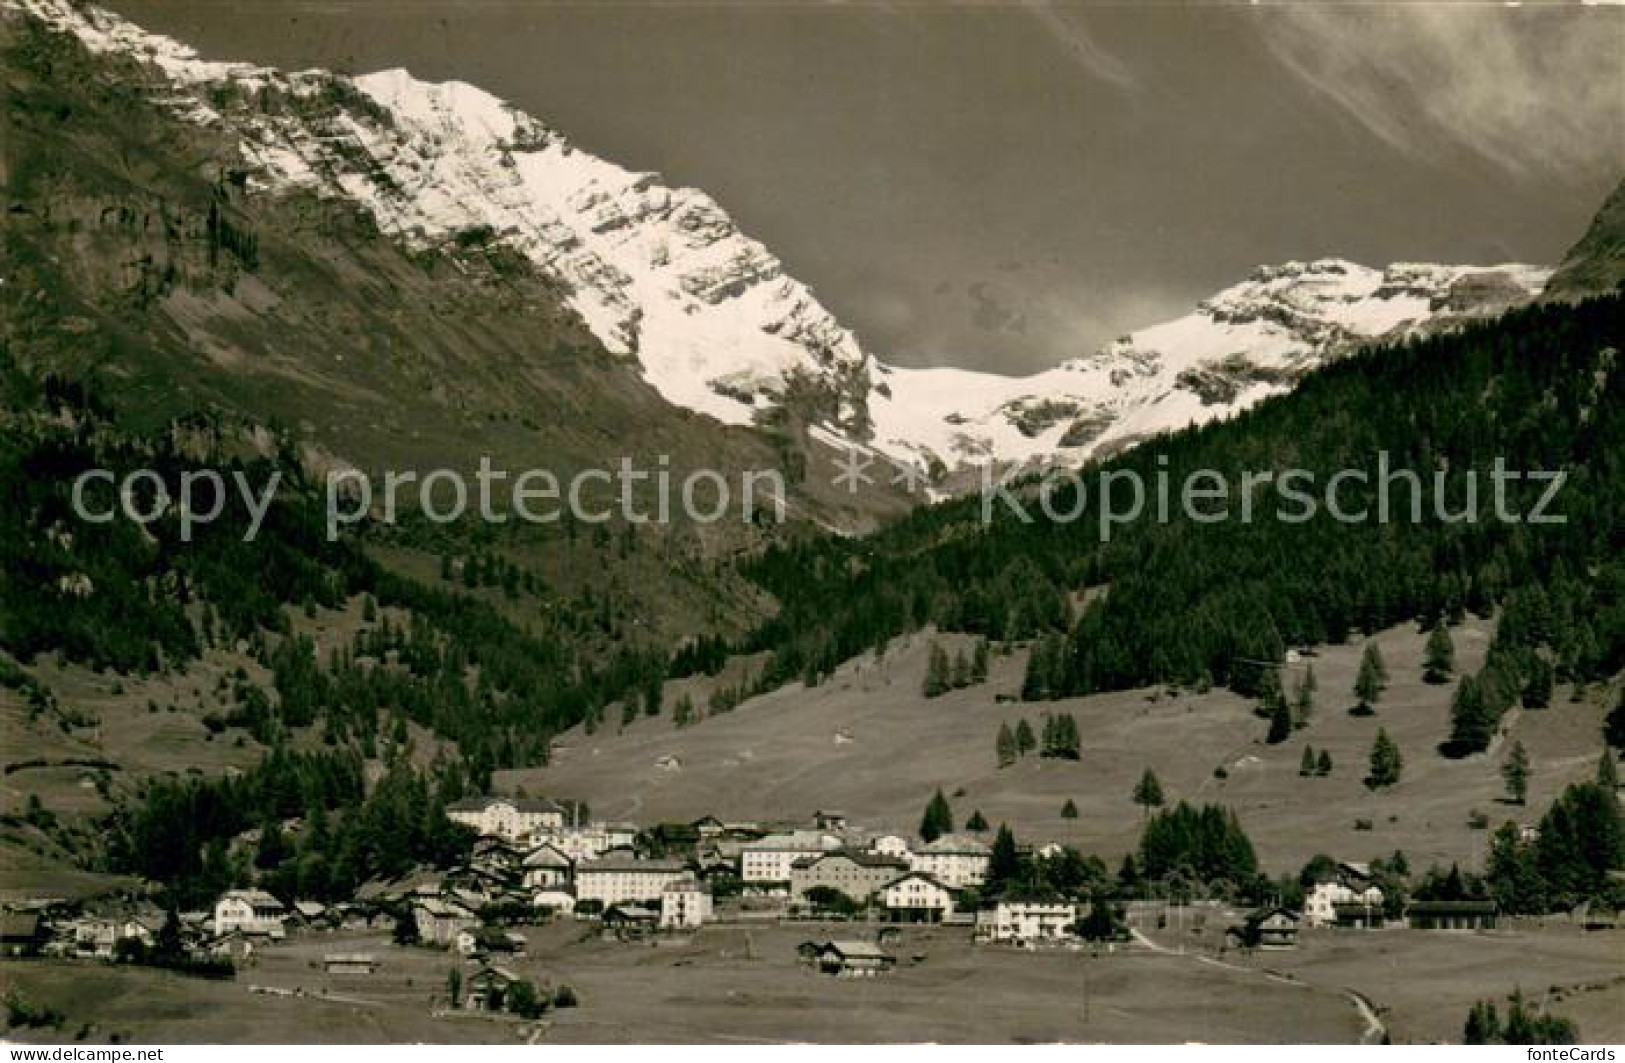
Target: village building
[484,940]
[1451,915]
[559,899]
[1321,902]
[1027,921]
[769,859]
[21,934]
[684,905]
[439,920]
[708,827]
[850,959]
[858,875]
[496,852]
[547,865]
[825,819]
[616,879]
[894,845]
[350,963]
[251,912]
[1271,929]
[626,921]
[955,860]
[487,988]
[309,914]
[917,898]
[513,818]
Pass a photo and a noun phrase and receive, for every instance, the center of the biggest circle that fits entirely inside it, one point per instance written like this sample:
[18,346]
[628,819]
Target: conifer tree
[1368,684]
[1069,810]
[938,819]
[1280,722]
[979,662]
[1004,866]
[1537,693]
[1439,658]
[1061,739]
[1303,706]
[1613,728]
[1483,1025]
[937,675]
[977,822]
[960,677]
[1386,762]
[1515,773]
[1607,773]
[1026,741]
[1373,653]
[1471,725]
[1005,746]
[1323,763]
[1306,766]
[1148,792]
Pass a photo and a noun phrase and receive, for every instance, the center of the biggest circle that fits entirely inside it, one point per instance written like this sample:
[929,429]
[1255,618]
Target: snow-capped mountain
[1245,343]
[664,276]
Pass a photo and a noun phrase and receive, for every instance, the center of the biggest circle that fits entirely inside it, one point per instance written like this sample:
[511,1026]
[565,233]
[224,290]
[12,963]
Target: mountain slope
[709,318]
[1596,263]
[144,246]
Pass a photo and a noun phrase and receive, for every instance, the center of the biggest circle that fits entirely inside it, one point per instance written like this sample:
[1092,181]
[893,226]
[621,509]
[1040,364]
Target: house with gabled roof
[917,898]
[547,865]
[251,912]
[440,919]
[852,959]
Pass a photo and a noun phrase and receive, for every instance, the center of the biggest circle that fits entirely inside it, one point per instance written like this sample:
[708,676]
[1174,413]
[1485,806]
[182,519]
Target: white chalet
[1320,903]
[1026,921]
[252,912]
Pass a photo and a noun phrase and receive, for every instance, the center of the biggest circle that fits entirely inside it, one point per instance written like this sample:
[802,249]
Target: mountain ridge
[663,277]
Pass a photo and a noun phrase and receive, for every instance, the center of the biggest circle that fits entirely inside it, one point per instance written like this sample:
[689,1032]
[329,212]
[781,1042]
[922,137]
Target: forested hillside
[1191,602]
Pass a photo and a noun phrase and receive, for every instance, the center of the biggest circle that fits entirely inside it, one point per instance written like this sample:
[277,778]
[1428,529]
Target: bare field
[737,984]
[869,743]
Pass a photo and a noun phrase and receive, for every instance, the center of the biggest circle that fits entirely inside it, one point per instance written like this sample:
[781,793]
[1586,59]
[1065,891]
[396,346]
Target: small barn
[1270,929]
[853,959]
[1451,915]
[21,933]
[350,963]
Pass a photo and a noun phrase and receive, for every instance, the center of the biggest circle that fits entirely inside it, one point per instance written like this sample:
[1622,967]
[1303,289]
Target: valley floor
[744,984]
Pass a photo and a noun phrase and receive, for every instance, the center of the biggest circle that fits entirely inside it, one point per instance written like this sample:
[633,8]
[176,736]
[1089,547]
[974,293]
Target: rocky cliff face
[664,279]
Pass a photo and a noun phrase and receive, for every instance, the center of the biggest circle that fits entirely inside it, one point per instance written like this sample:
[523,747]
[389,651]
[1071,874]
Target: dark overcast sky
[1008,184]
